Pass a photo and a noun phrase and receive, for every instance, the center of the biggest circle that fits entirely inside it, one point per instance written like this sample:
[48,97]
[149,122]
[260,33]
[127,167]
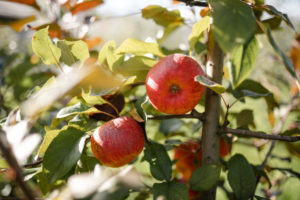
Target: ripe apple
[170,84]
[188,156]
[193,195]
[118,142]
[225,147]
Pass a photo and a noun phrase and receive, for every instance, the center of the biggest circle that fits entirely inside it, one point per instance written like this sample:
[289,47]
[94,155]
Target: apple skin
[225,148]
[170,84]
[193,195]
[188,156]
[118,142]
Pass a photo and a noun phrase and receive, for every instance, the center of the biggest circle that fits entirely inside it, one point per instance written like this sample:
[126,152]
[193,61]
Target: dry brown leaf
[85,6]
[204,11]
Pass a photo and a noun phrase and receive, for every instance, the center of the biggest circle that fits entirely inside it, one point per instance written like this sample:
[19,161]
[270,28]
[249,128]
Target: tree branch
[259,134]
[12,161]
[194,3]
[210,137]
[193,115]
[294,102]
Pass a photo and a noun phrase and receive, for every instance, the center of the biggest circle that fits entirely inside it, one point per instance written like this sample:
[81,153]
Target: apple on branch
[170,84]
[118,142]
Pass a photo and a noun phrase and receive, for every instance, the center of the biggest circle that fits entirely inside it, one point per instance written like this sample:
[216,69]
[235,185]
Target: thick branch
[210,137]
[12,161]
[259,134]
[193,115]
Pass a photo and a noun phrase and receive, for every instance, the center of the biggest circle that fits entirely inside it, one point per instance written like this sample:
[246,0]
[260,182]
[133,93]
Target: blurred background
[21,71]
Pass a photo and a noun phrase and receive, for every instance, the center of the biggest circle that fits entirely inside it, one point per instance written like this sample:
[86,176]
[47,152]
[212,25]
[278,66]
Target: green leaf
[290,132]
[245,118]
[249,93]
[273,22]
[72,51]
[170,125]
[170,191]
[78,108]
[254,89]
[43,46]
[200,47]
[3,163]
[92,99]
[43,182]
[87,164]
[83,122]
[170,20]
[243,61]
[48,138]
[286,61]
[139,105]
[160,163]
[233,23]
[272,10]
[241,177]
[162,16]
[210,84]
[63,153]
[260,198]
[205,177]
[138,47]
[198,29]
[136,66]
[259,171]
[107,55]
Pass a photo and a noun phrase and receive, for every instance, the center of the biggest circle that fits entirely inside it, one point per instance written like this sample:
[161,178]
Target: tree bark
[210,137]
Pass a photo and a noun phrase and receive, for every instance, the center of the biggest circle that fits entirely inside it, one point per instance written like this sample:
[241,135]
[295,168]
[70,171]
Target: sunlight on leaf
[170,190]
[71,51]
[198,29]
[88,76]
[138,47]
[43,46]
[210,84]
[48,137]
[229,34]
[243,60]
[69,144]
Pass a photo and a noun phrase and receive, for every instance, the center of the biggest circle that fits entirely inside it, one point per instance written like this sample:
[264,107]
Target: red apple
[193,195]
[188,156]
[118,142]
[225,147]
[170,84]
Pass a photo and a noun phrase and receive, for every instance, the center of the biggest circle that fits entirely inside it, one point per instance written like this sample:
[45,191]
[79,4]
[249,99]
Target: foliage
[62,86]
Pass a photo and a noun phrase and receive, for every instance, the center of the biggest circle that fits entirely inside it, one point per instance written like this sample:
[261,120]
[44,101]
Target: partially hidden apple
[225,147]
[170,84]
[189,155]
[118,142]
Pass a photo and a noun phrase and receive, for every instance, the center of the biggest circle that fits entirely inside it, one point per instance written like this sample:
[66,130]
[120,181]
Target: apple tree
[84,118]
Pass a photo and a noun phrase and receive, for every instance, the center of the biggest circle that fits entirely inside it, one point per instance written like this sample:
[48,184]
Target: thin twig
[34,164]
[194,3]
[193,115]
[260,134]
[12,161]
[279,127]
